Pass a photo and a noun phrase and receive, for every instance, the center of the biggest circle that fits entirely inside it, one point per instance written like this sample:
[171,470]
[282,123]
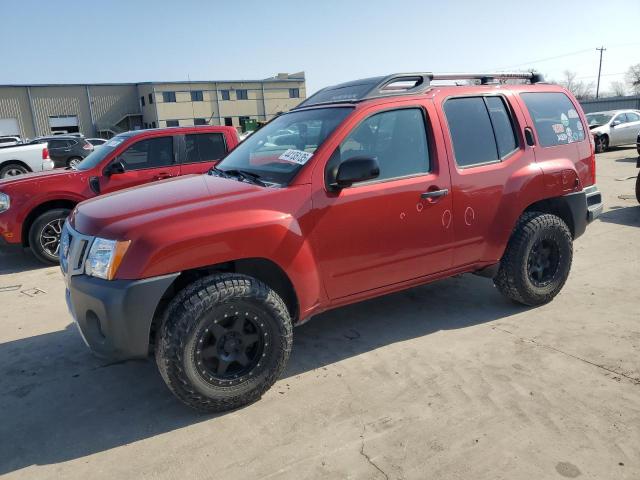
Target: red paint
[339,248]
[28,192]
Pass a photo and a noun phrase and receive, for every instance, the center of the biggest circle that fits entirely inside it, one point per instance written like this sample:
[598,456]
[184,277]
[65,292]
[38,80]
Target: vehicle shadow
[17,260]
[628,159]
[59,403]
[622,216]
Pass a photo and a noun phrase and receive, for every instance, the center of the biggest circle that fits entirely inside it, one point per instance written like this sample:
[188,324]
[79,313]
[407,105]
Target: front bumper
[114,317]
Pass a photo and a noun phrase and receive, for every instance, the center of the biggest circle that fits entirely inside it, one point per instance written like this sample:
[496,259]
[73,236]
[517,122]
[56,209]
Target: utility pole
[601,49]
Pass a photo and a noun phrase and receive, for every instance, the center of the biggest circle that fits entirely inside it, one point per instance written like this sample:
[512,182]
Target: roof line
[132,84]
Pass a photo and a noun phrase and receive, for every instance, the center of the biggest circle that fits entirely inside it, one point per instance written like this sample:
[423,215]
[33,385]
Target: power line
[545,59]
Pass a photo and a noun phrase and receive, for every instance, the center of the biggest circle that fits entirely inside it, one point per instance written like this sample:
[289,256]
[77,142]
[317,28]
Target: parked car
[614,128]
[403,185]
[22,159]
[66,151]
[10,141]
[35,206]
[96,142]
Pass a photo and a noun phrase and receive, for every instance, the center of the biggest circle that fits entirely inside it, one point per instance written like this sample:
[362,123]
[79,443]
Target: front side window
[277,151]
[397,139]
[472,121]
[204,147]
[196,95]
[150,153]
[622,118]
[555,118]
[242,95]
[169,97]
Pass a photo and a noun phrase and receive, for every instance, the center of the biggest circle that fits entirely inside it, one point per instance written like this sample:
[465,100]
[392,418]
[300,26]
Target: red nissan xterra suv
[33,207]
[365,188]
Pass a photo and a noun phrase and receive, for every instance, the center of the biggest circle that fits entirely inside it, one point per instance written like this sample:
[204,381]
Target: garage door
[64,123]
[9,126]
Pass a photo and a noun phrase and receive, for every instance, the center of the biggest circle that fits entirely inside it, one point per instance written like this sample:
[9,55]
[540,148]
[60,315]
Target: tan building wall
[108,109]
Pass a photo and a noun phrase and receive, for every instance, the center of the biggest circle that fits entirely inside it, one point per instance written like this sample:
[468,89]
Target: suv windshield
[276,152]
[598,118]
[99,154]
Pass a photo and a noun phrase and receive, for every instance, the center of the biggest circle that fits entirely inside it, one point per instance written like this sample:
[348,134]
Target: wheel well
[39,210]
[260,268]
[15,162]
[555,206]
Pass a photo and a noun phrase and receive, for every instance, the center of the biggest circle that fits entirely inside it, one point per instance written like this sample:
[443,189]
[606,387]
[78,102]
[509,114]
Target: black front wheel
[537,260]
[224,341]
[638,187]
[602,143]
[44,235]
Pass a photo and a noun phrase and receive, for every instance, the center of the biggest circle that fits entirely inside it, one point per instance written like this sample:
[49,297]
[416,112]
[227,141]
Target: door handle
[435,193]
[163,176]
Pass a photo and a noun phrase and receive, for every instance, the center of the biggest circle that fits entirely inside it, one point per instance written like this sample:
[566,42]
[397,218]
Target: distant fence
[611,103]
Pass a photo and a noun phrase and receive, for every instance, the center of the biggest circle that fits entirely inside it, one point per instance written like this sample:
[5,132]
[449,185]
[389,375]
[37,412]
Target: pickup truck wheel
[44,235]
[537,260]
[223,342]
[12,170]
[638,187]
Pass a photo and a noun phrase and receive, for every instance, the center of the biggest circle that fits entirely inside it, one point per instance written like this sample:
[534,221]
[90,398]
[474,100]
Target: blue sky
[331,40]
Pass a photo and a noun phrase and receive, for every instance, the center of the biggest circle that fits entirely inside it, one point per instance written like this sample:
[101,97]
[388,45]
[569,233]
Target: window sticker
[580,127]
[295,156]
[572,113]
[114,142]
[562,137]
[558,128]
[569,135]
[564,119]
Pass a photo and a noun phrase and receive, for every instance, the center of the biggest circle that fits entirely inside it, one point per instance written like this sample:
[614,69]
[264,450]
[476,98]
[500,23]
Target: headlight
[105,257]
[5,202]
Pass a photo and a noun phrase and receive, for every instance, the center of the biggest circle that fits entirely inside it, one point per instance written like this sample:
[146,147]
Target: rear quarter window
[555,118]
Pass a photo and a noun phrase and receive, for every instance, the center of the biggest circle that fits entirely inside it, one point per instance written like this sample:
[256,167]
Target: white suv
[614,128]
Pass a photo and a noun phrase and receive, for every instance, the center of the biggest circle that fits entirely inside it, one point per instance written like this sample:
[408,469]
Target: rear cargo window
[481,130]
[555,117]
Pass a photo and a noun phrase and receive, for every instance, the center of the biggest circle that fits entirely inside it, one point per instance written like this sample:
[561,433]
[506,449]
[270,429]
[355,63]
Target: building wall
[14,103]
[111,103]
[611,103]
[60,100]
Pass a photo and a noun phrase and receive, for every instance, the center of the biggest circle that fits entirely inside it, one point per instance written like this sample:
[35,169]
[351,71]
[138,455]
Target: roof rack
[400,84]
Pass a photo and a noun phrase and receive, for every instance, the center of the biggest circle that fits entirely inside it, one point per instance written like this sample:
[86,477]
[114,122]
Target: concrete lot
[446,381]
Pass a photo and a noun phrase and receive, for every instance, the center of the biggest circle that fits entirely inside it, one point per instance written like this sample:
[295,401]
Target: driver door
[147,160]
[384,231]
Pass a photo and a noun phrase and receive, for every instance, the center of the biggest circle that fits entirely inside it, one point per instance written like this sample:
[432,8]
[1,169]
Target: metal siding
[49,101]
[14,103]
[112,103]
[611,103]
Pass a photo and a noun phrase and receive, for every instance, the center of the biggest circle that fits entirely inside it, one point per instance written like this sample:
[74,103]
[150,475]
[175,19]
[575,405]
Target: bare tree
[580,89]
[633,78]
[618,89]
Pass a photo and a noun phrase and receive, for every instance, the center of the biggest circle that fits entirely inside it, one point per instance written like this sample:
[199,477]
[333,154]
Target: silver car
[614,128]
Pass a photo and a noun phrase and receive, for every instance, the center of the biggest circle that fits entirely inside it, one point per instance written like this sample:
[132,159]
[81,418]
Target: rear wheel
[537,261]
[223,342]
[602,143]
[44,234]
[74,162]
[13,170]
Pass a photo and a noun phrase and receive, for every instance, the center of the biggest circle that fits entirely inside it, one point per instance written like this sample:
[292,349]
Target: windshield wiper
[241,174]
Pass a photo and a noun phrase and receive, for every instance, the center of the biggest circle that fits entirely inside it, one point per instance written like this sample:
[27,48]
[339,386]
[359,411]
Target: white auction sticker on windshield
[114,142]
[296,156]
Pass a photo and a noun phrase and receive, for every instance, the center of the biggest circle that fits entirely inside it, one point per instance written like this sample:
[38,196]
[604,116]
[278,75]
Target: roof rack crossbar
[488,77]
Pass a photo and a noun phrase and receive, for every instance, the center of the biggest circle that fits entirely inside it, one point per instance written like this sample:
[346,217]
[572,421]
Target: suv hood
[127,213]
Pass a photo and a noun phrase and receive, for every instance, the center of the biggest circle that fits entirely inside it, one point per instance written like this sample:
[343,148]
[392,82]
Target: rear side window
[481,130]
[555,117]
[151,153]
[633,117]
[204,147]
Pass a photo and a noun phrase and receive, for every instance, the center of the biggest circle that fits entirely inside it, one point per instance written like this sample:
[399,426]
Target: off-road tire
[12,167]
[602,143]
[190,311]
[514,278]
[36,230]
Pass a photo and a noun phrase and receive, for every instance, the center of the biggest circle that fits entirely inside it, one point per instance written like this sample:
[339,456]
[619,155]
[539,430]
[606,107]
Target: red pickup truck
[366,188]
[33,207]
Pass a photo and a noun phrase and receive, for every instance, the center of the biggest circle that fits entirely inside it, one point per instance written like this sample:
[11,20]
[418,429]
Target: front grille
[74,248]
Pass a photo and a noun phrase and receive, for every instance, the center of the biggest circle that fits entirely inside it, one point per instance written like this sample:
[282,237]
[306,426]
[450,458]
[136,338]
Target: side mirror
[115,168]
[615,123]
[354,170]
